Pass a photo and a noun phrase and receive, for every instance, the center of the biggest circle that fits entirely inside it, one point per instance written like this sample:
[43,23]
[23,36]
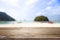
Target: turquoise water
[12,22]
[6,22]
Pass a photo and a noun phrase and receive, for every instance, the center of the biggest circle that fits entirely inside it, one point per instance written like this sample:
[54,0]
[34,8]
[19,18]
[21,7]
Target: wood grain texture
[30,32]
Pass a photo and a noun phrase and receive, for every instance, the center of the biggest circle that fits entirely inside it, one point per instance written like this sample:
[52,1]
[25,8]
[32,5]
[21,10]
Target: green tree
[41,18]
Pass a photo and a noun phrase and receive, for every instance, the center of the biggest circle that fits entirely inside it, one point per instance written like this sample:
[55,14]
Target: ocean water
[12,22]
[6,22]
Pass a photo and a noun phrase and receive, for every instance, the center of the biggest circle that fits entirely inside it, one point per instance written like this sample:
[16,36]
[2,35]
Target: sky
[28,9]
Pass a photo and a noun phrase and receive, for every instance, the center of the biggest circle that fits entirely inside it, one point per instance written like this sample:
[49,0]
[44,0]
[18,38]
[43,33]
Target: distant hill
[5,17]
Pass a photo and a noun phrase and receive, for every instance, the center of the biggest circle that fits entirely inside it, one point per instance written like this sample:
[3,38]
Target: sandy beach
[30,30]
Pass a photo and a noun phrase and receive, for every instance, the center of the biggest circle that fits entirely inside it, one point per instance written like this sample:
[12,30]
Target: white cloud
[11,2]
[26,8]
[48,8]
[55,11]
[30,2]
[2,9]
[21,11]
[13,13]
[51,1]
[44,11]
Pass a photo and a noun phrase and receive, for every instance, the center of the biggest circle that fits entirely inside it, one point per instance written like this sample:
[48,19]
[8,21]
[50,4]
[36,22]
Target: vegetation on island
[41,18]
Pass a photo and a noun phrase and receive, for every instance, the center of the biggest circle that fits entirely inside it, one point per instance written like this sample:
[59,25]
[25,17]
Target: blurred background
[28,10]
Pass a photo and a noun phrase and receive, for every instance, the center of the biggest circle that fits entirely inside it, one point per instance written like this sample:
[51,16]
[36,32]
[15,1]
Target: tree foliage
[41,18]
